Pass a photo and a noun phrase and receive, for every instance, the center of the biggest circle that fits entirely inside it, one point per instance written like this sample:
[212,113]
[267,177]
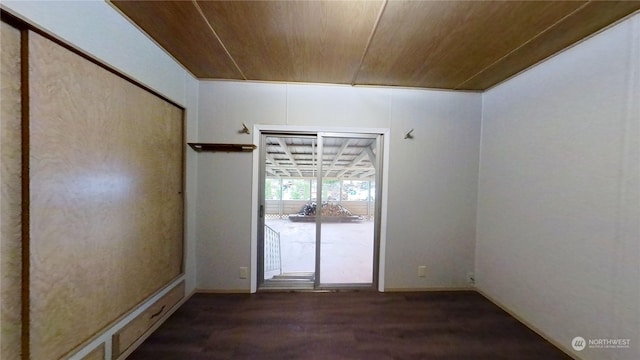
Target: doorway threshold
[290,281]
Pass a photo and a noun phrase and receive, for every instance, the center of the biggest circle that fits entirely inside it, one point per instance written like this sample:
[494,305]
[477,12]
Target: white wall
[438,230]
[559,193]
[432,188]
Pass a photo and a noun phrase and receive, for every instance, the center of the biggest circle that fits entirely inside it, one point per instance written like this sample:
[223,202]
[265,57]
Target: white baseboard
[432,289]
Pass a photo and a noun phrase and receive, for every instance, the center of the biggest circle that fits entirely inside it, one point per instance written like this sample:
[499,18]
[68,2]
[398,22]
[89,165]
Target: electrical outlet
[244,272]
[471,278]
[422,271]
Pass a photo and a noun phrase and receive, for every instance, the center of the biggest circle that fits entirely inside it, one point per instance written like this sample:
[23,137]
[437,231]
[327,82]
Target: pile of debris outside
[330,212]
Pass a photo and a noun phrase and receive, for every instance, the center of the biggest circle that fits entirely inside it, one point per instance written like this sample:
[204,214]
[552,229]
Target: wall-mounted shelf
[222,147]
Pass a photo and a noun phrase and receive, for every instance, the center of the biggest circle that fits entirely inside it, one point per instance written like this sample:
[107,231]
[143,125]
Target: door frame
[306,130]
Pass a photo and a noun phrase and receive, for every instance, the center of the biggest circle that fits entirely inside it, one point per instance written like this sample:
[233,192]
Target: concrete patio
[346,250]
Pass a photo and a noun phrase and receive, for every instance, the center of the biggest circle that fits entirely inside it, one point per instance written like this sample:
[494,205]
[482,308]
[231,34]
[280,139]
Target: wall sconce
[409,135]
[244,130]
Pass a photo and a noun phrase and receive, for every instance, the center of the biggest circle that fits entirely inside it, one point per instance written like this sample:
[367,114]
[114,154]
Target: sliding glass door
[319,220]
[346,224]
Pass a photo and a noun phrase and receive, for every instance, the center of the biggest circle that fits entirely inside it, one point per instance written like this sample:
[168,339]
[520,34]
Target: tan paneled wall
[10,196]
[106,204]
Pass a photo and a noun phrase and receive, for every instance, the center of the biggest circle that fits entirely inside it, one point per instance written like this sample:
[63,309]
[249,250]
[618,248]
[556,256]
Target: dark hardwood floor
[344,325]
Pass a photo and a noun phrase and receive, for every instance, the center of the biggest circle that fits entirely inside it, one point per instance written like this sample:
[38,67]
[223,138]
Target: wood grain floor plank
[344,325]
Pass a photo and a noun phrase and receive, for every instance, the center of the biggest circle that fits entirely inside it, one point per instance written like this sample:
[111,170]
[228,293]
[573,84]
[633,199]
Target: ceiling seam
[195,3]
[457,87]
[366,49]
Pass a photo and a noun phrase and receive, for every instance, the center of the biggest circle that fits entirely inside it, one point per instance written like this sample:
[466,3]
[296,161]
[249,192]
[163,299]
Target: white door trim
[258,129]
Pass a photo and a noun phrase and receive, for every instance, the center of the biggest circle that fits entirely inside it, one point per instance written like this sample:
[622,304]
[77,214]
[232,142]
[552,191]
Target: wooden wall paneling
[294,40]
[194,45]
[11,193]
[106,207]
[591,18]
[442,43]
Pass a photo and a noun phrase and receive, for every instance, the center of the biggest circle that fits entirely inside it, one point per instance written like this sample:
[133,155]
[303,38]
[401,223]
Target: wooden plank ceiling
[466,45]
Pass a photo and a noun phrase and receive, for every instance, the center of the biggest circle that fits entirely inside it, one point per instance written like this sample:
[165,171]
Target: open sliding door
[287,242]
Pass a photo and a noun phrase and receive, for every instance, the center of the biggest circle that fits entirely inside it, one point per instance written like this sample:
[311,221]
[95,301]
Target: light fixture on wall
[409,135]
[244,130]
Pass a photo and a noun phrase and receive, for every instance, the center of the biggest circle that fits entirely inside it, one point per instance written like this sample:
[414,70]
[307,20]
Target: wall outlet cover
[422,271]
